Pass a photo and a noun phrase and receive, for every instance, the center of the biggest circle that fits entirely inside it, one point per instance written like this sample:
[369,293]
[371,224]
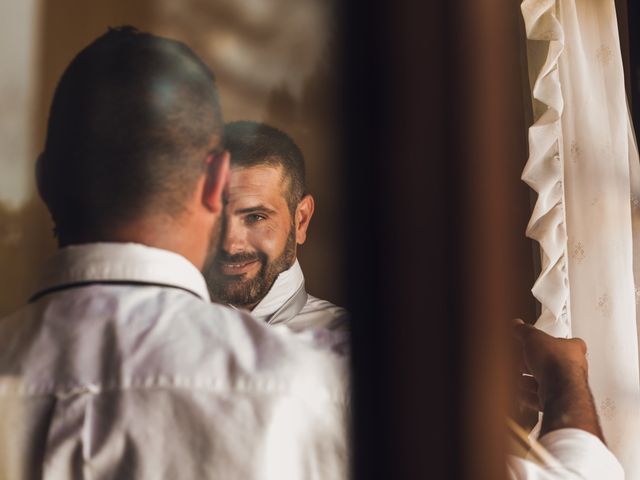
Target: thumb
[520,329]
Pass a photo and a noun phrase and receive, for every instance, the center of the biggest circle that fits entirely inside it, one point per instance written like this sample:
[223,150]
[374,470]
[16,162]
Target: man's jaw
[241,291]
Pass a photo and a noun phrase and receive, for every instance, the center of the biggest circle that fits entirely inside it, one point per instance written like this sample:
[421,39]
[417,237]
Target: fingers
[543,353]
[519,334]
[528,392]
[554,362]
[530,400]
[523,367]
[528,384]
[580,344]
[522,331]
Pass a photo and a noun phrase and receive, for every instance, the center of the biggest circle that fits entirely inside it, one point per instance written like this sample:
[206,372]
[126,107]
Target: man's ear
[216,181]
[304,212]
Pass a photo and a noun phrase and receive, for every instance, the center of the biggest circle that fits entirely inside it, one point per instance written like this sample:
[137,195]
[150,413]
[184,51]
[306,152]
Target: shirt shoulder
[323,325]
[112,364]
[135,337]
[320,314]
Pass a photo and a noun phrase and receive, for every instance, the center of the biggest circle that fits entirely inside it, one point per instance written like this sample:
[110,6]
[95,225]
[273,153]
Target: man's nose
[234,236]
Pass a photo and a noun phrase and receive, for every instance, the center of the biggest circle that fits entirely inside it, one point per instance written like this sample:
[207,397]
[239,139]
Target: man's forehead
[264,176]
[256,181]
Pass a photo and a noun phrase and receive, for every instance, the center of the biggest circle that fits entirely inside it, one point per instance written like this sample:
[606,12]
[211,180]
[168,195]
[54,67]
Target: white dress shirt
[120,367]
[288,303]
[579,455]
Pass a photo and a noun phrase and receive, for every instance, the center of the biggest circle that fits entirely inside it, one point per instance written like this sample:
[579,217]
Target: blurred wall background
[274,62]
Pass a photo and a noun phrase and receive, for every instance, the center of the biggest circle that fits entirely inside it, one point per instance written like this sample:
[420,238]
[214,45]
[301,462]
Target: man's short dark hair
[253,143]
[131,123]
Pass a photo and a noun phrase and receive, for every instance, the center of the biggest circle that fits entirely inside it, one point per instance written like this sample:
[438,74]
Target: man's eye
[255,218]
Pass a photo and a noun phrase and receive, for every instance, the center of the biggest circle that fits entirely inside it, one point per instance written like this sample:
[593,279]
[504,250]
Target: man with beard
[266,217]
[120,366]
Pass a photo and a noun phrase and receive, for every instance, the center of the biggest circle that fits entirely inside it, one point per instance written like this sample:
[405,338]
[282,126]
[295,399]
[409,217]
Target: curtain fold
[543,171]
[583,163]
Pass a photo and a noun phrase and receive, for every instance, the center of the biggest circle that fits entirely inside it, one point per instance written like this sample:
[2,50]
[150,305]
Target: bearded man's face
[257,237]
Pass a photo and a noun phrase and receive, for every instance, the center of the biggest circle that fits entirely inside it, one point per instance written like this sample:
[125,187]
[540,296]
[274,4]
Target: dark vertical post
[434,134]
[496,271]
[402,248]
[633,70]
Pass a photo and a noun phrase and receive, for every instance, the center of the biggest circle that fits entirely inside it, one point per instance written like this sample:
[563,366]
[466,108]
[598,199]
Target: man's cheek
[269,247]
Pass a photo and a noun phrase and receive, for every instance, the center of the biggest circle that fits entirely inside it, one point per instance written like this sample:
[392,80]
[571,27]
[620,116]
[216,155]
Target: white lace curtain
[583,163]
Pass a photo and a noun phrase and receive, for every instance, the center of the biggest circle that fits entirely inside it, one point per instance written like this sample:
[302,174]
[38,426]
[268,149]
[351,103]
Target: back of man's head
[254,144]
[132,121]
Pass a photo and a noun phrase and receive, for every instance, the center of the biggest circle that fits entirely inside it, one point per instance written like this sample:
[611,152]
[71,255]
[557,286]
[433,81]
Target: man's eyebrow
[257,208]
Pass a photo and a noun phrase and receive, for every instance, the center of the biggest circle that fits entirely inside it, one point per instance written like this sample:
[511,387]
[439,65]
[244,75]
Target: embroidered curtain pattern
[583,163]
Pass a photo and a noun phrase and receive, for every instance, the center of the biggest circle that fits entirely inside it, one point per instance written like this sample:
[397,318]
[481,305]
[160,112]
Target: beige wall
[23,224]
[273,63]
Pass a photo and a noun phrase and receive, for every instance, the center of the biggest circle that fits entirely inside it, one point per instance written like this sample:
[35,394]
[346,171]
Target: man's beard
[237,291]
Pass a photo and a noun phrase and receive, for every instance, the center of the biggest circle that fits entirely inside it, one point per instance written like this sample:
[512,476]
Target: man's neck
[175,235]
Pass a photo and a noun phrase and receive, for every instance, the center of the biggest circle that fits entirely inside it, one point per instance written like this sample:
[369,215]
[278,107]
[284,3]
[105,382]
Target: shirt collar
[121,262]
[285,286]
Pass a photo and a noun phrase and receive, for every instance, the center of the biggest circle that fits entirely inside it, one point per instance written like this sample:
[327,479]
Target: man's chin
[233,289]
[237,294]
[233,286]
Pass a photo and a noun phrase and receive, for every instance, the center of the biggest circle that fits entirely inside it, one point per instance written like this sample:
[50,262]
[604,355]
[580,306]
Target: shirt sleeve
[580,456]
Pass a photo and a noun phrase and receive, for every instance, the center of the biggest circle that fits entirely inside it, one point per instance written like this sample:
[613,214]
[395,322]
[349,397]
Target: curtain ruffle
[544,170]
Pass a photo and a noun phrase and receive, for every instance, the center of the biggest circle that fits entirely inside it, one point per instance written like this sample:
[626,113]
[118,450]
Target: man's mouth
[239,268]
